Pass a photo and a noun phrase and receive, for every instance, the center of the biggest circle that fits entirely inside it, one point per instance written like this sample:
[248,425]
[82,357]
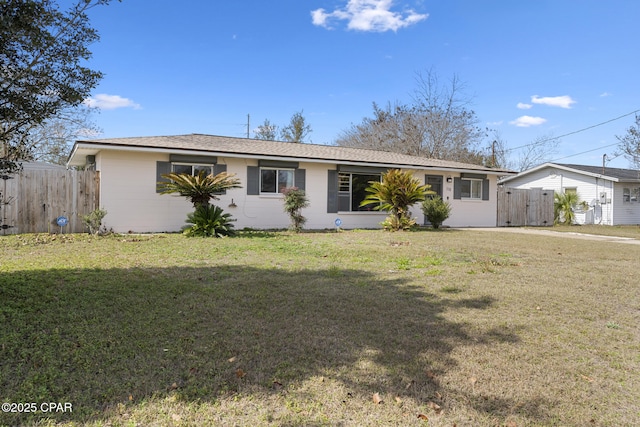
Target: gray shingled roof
[620,174]
[284,150]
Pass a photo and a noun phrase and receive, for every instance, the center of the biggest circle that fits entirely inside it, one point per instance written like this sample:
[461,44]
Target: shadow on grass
[99,338]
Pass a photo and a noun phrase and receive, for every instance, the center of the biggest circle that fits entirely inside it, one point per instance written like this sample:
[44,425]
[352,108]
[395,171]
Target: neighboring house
[334,179]
[612,194]
[41,166]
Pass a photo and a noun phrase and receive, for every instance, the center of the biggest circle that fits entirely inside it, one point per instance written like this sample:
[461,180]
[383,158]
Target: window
[631,195]
[271,177]
[275,180]
[471,188]
[191,165]
[191,169]
[351,190]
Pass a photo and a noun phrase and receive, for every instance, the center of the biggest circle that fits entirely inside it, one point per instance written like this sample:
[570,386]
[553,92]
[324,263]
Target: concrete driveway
[570,235]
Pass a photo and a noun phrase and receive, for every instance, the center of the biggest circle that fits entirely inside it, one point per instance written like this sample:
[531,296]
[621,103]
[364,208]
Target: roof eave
[80,146]
[561,167]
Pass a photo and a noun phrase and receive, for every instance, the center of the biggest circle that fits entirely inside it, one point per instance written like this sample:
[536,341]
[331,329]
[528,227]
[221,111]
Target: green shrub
[295,200]
[436,210]
[403,223]
[93,221]
[209,221]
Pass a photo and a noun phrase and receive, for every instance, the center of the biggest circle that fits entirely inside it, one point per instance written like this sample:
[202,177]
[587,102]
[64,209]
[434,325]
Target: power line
[573,133]
[584,152]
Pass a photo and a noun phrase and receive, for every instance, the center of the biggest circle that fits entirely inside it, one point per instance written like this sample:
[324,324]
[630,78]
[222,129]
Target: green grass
[303,329]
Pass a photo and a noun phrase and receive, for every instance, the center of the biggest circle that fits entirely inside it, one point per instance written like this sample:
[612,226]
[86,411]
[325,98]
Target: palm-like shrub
[396,193]
[295,200]
[199,189]
[209,221]
[436,210]
[93,221]
[394,223]
[563,207]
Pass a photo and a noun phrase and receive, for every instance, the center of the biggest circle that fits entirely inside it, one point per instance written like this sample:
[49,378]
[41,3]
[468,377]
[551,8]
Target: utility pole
[493,154]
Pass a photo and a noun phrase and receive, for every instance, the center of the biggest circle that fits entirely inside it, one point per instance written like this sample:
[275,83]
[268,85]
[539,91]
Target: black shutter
[457,188]
[253,180]
[161,169]
[485,189]
[219,169]
[332,193]
[300,178]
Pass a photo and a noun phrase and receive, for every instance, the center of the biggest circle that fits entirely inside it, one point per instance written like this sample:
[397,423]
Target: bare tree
[51,141]
[297,129]
[266,131]
[630,143]
[387,130]
[541,150]
[451,128]
[438,125]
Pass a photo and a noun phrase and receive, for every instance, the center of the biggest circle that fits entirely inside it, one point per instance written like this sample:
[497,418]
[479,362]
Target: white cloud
[554,101]
[110,102]
[605,94]
[523,106]
[527,121]
[368,15]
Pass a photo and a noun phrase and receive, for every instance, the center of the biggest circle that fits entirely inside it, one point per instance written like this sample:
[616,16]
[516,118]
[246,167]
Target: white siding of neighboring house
[589,189]
[626,213]
[128,193]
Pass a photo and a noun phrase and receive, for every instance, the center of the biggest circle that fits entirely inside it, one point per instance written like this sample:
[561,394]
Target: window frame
[194,167]
[345,189]
[278,189]
[478,184]
[630,195]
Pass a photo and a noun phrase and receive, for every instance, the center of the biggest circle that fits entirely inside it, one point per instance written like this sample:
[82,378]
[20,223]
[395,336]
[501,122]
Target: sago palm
[209,221]
[199,189]
[563,206]
[396,193]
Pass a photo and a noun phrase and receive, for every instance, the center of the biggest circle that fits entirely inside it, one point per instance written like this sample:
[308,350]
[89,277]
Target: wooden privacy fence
[32,200]
[525,207]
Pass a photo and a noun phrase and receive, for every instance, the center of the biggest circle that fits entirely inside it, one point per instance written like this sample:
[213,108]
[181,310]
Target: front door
[435,181]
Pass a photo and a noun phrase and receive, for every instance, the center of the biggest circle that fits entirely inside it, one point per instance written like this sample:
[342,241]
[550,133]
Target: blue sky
[532,68]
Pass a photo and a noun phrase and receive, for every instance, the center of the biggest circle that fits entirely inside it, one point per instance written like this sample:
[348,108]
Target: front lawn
[358,328]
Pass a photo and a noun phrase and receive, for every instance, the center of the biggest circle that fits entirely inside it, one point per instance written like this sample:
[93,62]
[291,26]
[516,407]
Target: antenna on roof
[604,158]
[248,126]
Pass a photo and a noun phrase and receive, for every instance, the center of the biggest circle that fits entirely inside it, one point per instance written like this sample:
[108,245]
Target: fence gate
[525,207]
[32,200]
